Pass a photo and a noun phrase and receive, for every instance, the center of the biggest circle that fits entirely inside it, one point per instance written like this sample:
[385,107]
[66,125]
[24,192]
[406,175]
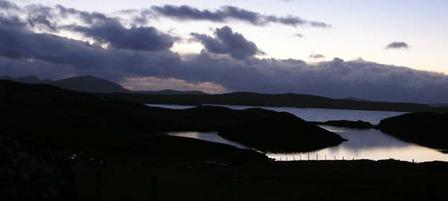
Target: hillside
[89,84]
[267,100]
[75,121]
[426,128]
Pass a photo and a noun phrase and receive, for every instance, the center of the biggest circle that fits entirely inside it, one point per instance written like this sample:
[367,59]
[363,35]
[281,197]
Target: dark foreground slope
[31,173]
[428,129]
[120,157]
[268,100]
[266,181]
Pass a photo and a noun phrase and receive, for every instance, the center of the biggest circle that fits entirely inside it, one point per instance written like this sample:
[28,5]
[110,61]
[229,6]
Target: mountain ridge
[111,90]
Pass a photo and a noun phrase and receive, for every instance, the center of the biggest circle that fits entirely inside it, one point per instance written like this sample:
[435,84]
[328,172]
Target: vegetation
[264,181]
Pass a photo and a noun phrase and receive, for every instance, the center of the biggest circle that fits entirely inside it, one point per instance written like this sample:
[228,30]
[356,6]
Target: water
[312,114]
[369,144]
[175,107]
[208,136]
[321,115]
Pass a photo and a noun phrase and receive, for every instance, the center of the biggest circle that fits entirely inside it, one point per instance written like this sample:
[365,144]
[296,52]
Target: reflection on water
[175,107]
[368,144]
[311,114]
[207,136]
[362,144]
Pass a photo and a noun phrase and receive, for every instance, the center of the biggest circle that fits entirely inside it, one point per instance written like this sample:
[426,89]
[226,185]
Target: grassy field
[304,180]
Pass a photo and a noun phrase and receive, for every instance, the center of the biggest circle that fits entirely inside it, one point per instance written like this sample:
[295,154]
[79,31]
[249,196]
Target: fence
[317,157]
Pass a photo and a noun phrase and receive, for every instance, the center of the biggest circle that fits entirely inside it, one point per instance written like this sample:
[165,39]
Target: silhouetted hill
[270,137]
[29,80]
[90,84]
[267,100]
[170,92]
[427,128]
[79,83]
[80,120]
[114,91]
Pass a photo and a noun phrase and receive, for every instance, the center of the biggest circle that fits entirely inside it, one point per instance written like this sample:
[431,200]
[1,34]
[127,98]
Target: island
[424,128]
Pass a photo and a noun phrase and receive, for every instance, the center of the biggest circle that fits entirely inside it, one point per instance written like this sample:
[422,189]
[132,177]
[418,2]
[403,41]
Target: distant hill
[79,83]
[170,92]
[268,100]
[110,90]
[89,84]
[440,105]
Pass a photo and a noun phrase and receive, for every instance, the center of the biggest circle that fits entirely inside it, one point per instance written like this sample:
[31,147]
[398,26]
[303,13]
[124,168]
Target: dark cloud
[316,56]
[98,26]
[228,42]
[7,5]
[87,17]
[226,13]
[398,45]
[41,17]
[138,38]
[22,49]
[25,52]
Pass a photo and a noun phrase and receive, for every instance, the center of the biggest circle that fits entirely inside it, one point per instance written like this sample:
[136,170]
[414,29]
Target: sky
[372,49]
[361,29]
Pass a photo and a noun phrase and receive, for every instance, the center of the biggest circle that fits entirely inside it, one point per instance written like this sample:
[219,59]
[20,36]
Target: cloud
[398,45]
[41,17]
[7,5]
[137,38]
[299,35]
[26,51]
[316,56]
[101,28]
[228,42]
[87,17]
[227,13]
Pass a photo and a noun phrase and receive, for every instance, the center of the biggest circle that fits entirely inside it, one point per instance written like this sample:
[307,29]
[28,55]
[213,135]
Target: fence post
[154,189]
[98,190]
